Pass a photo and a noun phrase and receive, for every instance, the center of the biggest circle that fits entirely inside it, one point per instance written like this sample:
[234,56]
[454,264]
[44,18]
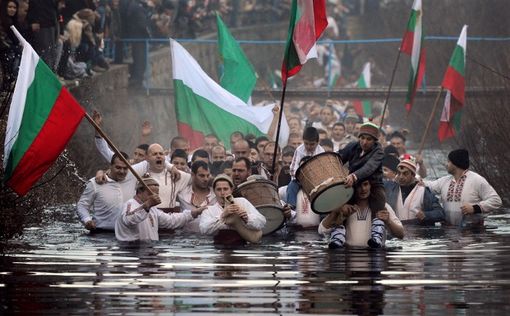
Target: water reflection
[60,269]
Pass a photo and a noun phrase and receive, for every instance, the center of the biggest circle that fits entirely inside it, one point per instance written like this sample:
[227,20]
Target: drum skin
[263,194]
[322,178]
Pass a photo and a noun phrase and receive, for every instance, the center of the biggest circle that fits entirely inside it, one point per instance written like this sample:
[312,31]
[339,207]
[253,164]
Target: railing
[110,48]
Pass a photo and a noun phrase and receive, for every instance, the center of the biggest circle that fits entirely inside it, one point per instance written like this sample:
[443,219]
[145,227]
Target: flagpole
[273,167]
[116,151]
[390,86]
[429,123]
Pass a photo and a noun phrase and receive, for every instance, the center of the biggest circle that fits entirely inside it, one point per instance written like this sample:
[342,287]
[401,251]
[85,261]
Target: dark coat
[433,210]
[368,167]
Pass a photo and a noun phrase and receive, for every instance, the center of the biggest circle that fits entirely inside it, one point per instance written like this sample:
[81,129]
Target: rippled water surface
[60,269]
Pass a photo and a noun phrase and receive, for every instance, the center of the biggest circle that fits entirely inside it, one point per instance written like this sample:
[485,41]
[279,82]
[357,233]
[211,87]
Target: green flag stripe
[41,96]
[457,60]
[206,117]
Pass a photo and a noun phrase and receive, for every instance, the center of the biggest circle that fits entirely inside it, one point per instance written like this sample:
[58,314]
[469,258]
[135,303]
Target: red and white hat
[408,162]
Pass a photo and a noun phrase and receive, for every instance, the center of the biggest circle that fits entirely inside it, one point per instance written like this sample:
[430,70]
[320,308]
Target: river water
[58,268]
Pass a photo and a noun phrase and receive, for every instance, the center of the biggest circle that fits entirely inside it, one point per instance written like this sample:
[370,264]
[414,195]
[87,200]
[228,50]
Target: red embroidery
[455,189]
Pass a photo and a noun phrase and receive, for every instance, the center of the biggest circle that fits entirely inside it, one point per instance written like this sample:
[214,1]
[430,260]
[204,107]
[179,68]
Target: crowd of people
[191,189]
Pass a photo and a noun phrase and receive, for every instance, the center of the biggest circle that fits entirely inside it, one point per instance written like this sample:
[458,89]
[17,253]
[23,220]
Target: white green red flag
[454,84]
[307,22]
[238,77]
[42,118]
[412,45]
[364,108]
[203,107]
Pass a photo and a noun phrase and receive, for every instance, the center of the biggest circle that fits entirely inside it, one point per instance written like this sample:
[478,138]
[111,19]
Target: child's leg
[292,191]
[377,202]
[337,237]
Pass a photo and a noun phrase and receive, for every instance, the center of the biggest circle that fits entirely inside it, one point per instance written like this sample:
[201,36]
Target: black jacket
[368,167]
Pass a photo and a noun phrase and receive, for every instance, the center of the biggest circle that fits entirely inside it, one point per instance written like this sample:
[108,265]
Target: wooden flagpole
[429,123]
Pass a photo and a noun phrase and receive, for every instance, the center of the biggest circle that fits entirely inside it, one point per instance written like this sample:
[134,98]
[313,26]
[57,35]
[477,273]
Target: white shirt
[299,154]
[471,188]
[168,189]
[104,200]
[135,223]
[358,227]
[211,221]
[186,200]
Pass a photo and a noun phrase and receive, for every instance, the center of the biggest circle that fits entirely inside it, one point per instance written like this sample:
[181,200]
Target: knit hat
[408,162]
[391,162]
[391,150]
[369,129]
[223,177]
[148,181]
[460,158]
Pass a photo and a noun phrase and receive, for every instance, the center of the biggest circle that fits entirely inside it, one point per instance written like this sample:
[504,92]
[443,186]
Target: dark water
[60,269]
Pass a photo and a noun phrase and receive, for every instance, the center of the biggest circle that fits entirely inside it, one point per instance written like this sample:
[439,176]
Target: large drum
[263,194]
[323,179]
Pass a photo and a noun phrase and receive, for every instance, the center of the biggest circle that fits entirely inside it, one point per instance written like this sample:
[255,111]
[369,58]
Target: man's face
[338,132]
[218,154]
[310,145]
[209,143]
[239,172]
[388,173]
[363,190]
[261,145]
[156,158]
[201,178]
[254,155]
[366,142]
[204,159]
[350,125]
[222,189]
[327,116]
[286,161]
[294,126]
[241,149]
[180,163]
[295,142]
[399,144]
[184,145]
[269,155]
[234,139]
[139,155]
[405,177]
[144,196]
[118,170]
[450,167]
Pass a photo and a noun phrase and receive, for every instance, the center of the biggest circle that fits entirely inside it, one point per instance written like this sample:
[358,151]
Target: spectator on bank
[42,17]
[10,51]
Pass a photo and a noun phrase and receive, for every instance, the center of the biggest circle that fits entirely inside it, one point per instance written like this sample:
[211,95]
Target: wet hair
[115,156]
[247,162]
[327,142]
[261,139]
[288,151]
[237,133]
[226,165]
[176,139]
[397,134]
[311,134]
[199,164]
[199,153]
[143,147]
[339,124]
[179,153]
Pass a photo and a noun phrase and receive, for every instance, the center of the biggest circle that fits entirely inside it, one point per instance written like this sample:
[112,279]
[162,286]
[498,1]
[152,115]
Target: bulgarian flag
[42,118]
[307,22]
[412,45]
[364,108]
[238,76]
[454,84]
[204,107]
